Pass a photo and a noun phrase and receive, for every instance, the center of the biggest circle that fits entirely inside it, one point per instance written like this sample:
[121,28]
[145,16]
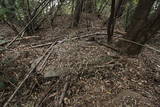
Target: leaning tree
[144,25]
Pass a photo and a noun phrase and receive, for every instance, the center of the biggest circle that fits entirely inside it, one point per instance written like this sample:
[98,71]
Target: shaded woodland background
[80,53]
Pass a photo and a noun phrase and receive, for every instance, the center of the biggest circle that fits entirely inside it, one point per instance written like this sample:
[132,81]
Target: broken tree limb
[12,26]
[147,46]
[121,32]
[41,68]
[20,34]
[27,76]
[85,36]
[63,93]
[39,104]
[32,69]
[18,39]
[41,45]
[108,46]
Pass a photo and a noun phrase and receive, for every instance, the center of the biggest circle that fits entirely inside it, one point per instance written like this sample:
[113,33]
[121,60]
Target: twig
[20,34]
[12,26]
[41,45]
[2,94]
[32,69]
[120,32]
[108,46]
[63,93]
[147,46]
[36,9]
[24,29]
[45,60]
[85,36]
[27,76]
[46,94]
[24,38]
[90,35]
[50,49]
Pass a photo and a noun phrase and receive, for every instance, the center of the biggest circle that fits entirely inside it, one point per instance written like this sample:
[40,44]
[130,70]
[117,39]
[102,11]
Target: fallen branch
[18,39]
[46,94]
[85,36]
[33,69]
[12,26]
[147,46]
[24,29]
[89,35]
[63,93]
[120,32]
[41,68]
[108,46]
[27,76]
[20,34]
[49,51]
[41,45]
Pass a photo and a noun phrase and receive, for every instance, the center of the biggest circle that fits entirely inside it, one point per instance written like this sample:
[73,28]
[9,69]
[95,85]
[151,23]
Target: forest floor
[78,72]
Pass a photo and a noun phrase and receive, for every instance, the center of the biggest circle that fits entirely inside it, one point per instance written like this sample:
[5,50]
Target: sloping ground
[94,75]
[78,56]
[101,77]
[151,58]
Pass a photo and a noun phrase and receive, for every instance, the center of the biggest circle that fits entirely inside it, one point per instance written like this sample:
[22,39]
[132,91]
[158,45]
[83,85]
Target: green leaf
[3,11]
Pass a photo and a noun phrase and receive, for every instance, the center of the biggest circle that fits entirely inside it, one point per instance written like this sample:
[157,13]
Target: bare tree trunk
[89,6]
[111,22]
[142,28]
[117,8]
[29,16]
[77,12]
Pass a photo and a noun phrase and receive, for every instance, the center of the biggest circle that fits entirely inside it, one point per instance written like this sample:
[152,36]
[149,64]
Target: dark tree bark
[120,7]
[142,28]
[77,12]
[111,22]
[117,8]
[89,6]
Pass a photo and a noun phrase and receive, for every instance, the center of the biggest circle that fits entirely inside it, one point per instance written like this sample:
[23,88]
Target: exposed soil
[94,75]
